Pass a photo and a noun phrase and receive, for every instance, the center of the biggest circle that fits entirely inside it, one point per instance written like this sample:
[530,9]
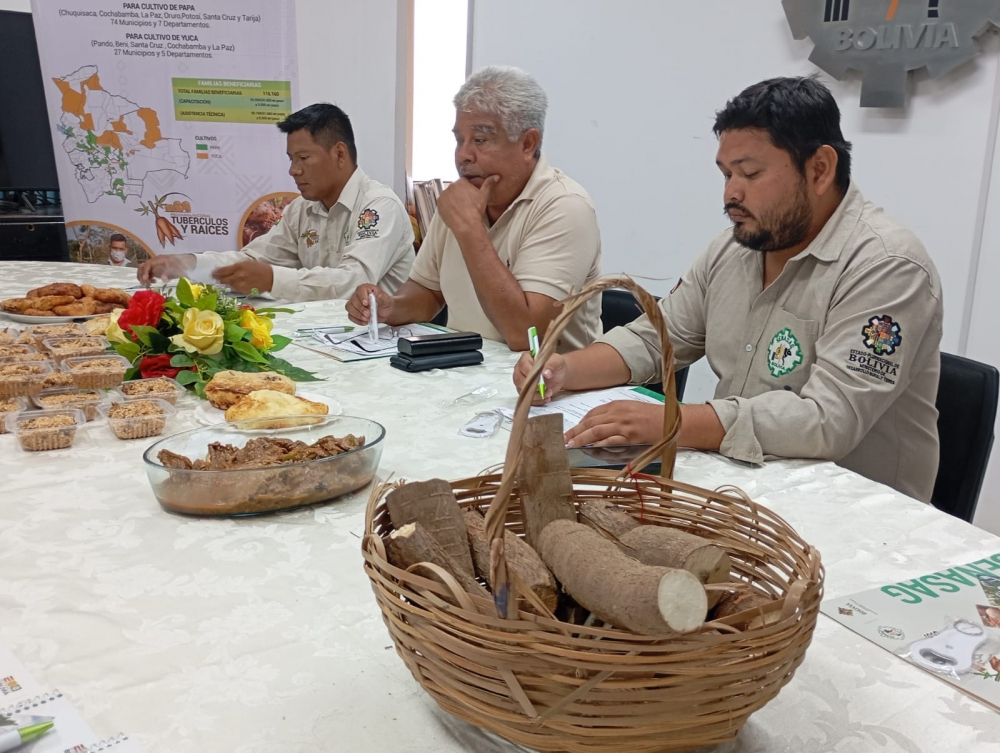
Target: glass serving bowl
[253,491]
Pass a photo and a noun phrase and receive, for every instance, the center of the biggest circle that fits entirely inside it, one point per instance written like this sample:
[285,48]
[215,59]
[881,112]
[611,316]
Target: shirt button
[749,347]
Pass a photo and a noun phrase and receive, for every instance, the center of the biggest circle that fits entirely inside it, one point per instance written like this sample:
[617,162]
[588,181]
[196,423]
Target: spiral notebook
[70,732]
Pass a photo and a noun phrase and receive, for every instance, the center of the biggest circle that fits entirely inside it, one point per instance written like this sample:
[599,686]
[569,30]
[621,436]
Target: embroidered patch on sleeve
[783,353]
[367,221]
[311,237]
[882,337]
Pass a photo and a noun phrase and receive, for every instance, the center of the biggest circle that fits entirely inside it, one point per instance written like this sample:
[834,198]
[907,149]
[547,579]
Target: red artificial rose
[159,366]
[145,309]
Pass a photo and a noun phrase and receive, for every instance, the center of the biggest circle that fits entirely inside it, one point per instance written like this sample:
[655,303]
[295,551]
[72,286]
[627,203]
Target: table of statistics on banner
[163,118]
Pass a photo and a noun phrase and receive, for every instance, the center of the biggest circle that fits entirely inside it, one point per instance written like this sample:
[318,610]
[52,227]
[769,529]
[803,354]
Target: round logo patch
[783,353]
[882,335]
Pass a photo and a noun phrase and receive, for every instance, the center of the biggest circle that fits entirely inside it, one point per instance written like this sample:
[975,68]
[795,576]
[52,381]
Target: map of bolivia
[113,143]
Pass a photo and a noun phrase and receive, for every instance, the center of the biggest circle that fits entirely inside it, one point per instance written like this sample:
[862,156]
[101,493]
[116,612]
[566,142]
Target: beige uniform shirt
[550,242]
[838,359]
[318,254]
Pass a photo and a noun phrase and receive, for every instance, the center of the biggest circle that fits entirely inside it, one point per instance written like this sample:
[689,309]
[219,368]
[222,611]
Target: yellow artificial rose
[114,333]
[260,326]
[201,332]
[196,289]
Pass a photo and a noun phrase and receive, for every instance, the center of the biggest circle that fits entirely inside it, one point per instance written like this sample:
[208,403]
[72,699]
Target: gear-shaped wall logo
[884,39]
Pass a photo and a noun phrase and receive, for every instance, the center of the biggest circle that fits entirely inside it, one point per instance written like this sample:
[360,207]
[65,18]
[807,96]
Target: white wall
[353,53]
[633,88]
[21,5]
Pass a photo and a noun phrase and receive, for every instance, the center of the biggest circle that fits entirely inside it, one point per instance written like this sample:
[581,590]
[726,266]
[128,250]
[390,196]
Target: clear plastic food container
[62,348]
[9,406]
[163,388]
[137,419]
[43,430]
[97,372]
[179,487]
[16,349]
[42,332]
[70,397]
[23,378]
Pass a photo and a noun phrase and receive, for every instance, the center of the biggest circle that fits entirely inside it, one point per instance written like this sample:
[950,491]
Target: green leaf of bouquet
[182,360]
[128,350]
[235,333]
[184,293]
[207,302]
[280,341]
[131,374]
[145,334]
[292,372]
[187,377]
[249,352]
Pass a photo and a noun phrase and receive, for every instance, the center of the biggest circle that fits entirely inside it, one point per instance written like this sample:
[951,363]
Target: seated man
[344,230]
[820,315]
[118,251]
[511,237]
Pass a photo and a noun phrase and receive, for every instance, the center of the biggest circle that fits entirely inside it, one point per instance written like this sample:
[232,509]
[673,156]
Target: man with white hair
[511,237]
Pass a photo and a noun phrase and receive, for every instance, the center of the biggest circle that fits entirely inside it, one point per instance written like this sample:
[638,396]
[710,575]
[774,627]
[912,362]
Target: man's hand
[165,267]
[620,422]
[462,206]
[357,307]
[244,276]
[554,374]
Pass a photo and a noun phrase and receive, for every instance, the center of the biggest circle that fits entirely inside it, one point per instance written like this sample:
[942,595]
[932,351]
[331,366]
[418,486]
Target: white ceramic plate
[210,416]
[24,319]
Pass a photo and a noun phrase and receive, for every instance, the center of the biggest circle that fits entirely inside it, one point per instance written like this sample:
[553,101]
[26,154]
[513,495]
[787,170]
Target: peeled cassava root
[645,599]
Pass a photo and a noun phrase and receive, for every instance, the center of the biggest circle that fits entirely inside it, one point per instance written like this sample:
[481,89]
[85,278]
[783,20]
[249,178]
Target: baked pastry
[136,419]
[85,401]
[42,303]
[57,288]
[82,307]
[226,387]
[269,403]
[116,296]
[38,312]
[99,324]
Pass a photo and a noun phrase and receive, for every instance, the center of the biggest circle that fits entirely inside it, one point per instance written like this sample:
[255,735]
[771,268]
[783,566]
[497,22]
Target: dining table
[261,634]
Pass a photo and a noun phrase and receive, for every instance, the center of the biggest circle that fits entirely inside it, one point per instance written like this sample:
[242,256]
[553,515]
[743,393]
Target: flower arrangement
[197,333]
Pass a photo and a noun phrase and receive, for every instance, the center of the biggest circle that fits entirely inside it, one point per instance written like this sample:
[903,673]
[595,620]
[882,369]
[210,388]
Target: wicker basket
[556,686]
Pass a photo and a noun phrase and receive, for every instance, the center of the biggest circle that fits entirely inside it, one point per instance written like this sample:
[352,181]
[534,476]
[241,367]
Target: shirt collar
[348,194]
[828,245]
[540,177]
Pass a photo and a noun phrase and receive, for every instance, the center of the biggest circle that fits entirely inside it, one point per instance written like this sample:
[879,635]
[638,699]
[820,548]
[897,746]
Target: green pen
[15,738]
[533,347]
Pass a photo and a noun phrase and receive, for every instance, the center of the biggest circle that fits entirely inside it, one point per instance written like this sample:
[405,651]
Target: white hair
[510,94]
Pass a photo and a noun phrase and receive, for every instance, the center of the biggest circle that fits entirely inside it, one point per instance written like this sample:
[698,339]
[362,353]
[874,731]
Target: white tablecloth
[262,634]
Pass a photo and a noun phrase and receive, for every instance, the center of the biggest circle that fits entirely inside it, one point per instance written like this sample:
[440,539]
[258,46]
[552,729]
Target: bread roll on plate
[268,403]
[227,387]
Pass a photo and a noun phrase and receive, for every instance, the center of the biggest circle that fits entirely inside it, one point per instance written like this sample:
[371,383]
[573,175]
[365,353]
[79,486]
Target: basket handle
[496,515]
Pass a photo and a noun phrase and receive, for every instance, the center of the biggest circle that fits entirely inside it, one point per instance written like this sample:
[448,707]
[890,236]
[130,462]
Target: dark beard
[777,231]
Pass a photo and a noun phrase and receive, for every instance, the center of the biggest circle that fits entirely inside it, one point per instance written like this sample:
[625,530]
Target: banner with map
[163,118]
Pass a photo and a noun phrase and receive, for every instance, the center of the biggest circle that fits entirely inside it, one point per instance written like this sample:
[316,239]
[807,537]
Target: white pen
[373,317]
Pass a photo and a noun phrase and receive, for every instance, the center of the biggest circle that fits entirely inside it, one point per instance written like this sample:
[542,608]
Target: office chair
[618,308]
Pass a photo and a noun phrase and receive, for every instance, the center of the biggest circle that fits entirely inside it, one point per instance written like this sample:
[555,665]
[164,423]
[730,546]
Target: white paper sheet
[575,405]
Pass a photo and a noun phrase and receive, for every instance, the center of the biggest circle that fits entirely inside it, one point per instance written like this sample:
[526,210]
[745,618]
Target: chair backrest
[967,409]
[618,308]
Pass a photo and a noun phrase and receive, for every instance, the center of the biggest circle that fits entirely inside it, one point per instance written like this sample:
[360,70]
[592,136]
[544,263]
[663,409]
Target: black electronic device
[437,361]
[446,342]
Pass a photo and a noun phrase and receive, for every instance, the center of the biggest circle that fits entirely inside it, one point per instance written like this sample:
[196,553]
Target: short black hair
[327,123]
[798,114]
[117,238]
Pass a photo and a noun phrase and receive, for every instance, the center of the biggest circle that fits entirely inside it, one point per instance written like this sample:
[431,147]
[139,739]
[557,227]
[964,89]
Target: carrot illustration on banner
[165,229]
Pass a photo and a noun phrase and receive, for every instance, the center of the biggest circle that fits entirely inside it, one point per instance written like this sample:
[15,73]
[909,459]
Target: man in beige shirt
[820,315]
[344,230]
[511,237]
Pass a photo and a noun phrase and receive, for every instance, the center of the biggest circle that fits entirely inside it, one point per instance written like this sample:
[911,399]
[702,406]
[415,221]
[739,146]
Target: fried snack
[227,387]
[112,295]
[83,307]
[268,403]
[88,290]
[37,312]
[17,305]
[57,288]
[104,308]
